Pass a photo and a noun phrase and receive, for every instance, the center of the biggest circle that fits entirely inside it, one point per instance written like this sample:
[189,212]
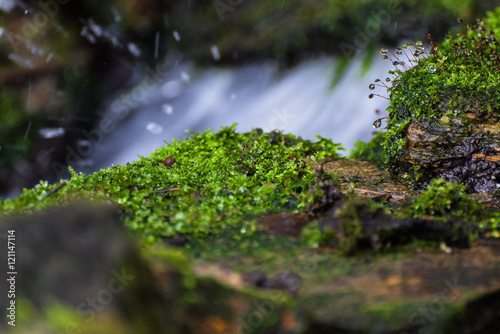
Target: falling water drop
[431,68]
[176,36]
[215,52]
[48,133]
[372,86]
[21,61]
[185,77]
[172,89]
[167,109]
[154,128]
[371,96]
[134,49]
[116,14]
[96,29]
[399,52]
[387,79]
[85,32]
[384,51]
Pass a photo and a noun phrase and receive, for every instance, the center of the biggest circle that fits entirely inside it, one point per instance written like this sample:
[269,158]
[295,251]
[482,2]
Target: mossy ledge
[200,186]
[444,108]
[271,217]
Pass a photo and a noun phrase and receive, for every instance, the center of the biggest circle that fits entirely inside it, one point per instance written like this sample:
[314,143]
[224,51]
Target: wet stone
[465,150]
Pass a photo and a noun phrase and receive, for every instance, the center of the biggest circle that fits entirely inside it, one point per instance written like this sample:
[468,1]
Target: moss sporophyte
[443,111]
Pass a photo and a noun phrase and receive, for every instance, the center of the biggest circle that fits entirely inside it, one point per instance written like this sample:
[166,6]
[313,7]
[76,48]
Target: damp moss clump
[204,185]
[372,151]
[444,103]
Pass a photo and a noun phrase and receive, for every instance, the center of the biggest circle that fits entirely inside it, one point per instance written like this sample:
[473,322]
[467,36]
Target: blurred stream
[299,100]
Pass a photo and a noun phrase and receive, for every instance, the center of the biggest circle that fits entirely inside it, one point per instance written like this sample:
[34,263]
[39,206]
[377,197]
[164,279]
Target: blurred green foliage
[372,151]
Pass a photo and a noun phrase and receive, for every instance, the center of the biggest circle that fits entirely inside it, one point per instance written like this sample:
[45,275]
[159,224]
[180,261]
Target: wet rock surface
[465,150]
[80,256]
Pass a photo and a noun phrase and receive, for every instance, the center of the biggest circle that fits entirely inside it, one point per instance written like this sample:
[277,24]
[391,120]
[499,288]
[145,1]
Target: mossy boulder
[248,233]
[444,108]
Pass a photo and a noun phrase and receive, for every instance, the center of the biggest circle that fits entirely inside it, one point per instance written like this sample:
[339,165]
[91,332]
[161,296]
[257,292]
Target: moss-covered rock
[249,232]
[443,112]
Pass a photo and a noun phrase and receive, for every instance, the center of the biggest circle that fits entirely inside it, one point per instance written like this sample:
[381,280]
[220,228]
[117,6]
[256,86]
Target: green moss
[435,84]
[219,181]
[372,151]
[448,201]
[313,237]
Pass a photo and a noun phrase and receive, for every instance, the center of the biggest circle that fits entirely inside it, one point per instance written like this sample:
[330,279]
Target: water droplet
[51,132]
[84,145]
[116,14]
[396,63]
[176,36]
[21,61]
[431,68]
[399,52]
[85,32]
[384,51]
[134,49]
[172,89]
[185,77]
[467,52]
[371,96]
[377,123]
[243,230]
[372,87]
[377,80]
[385,57]
[96,29]
[167,109]
[388,79]
[154,128]
[215,52]
[404,46]
[493,56]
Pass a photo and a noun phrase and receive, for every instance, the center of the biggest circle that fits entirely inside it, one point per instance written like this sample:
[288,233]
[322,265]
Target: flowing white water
[299,100]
